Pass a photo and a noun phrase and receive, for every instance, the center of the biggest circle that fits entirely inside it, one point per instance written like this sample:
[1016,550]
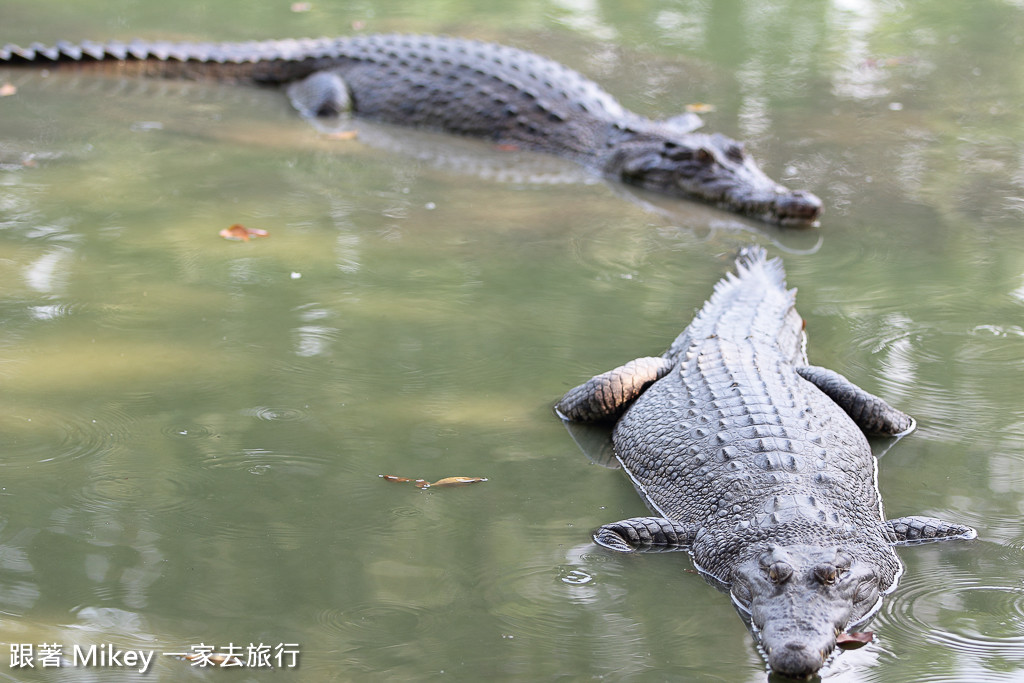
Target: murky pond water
[192,429]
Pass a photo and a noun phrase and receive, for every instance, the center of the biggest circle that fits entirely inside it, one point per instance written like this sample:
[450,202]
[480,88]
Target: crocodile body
[757,464]
[469,88]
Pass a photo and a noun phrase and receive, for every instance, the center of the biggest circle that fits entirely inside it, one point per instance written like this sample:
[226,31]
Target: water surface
[193,429]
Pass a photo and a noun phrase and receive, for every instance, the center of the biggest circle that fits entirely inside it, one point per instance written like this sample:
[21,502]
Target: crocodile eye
[677,152]
[735,151]
[826,573]
[704,156]
[779,572]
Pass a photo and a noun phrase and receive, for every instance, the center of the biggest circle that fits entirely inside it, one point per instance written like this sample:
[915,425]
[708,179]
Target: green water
[191,430]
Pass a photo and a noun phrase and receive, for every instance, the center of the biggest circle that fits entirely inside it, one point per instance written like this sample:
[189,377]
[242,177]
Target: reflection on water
[193,429]
[957,614]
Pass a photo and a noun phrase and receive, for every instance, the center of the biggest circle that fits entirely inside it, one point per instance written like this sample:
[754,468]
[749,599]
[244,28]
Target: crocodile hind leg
[872,414]
[606,396]
[322,93]
[917,529]
[645,533]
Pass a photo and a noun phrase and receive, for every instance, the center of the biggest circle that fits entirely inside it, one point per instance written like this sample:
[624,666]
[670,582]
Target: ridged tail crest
[753,261]
[753,301]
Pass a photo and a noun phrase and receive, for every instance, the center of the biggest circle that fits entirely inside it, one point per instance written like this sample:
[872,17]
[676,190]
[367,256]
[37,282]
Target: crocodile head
[800,598]
[714,168]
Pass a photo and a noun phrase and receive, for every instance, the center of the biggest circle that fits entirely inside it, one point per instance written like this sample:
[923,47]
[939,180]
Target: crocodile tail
[268,61]
[752,301]
[754,261]
[755,273]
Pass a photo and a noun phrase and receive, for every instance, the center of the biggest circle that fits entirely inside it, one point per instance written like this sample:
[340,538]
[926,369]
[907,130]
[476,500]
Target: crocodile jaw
[713,168]
[800,598]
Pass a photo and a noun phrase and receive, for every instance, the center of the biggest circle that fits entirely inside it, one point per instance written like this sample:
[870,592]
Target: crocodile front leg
[872,414]
[646,533]
[322,93]
[606,396]
[917,529]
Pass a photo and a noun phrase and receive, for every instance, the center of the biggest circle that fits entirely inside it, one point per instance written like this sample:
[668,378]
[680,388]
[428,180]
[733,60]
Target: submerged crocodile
[470,88]
[757,464]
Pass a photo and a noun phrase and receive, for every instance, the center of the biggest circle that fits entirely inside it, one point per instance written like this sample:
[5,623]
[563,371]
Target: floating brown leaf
[700,108]
[390,477]
[342,135]
[852,641]
[456,481]
[8,89]
[240,232]
[885,62]
[447,482]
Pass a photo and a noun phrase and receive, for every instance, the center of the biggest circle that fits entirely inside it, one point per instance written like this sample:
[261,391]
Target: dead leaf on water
[456,481]
[390,477]
[700,108]
[240,232]
[301,6]
[342,135]
[8,89]
[852,641]
[447,482]
[886,62]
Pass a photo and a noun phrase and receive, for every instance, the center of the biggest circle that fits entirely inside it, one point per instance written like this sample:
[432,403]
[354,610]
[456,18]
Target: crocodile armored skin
[768,455]
[757,464]
[470,88]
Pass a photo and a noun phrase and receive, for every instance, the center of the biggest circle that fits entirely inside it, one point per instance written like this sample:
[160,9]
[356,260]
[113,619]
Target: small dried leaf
[240,232]
[886,62]
[507,147]
[342,135]
[852,641]
[8,89]
[440,483]
[700,108]
[457,481]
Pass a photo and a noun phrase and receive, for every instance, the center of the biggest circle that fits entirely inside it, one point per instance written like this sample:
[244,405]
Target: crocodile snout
[798,208]
[796,659]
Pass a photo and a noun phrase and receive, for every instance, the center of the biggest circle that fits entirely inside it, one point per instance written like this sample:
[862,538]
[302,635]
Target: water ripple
[537,595]
[276,414]
[47,436]
[959,611]
[107,488]
[258,461]
[188,431]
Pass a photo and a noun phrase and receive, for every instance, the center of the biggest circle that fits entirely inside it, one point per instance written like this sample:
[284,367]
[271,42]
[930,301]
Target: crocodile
[490,91]
[757,464]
